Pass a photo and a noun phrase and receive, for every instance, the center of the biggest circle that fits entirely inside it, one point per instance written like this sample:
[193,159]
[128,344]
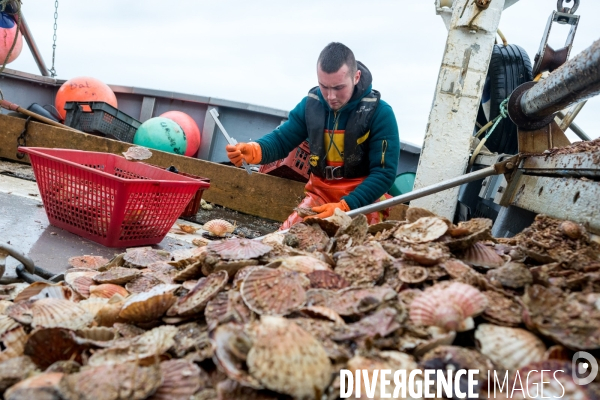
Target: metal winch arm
[503,167]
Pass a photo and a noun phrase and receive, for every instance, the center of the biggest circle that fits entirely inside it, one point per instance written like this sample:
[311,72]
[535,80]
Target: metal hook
[567,10]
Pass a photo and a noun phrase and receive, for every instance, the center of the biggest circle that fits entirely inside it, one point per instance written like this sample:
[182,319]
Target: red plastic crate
[194,205]
[295,166]
[107,199]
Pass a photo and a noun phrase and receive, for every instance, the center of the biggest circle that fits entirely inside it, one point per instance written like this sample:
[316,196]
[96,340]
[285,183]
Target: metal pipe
[575,128]
[33,47]
[576,80]
[416,194]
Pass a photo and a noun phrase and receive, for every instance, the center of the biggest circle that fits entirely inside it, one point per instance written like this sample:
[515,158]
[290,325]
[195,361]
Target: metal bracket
[548,59]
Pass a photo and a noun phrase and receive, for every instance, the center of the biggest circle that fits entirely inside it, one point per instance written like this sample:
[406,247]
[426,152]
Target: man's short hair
[334,56]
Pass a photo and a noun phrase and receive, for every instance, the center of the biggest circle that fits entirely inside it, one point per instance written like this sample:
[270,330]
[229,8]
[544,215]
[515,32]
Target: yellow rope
[504,41]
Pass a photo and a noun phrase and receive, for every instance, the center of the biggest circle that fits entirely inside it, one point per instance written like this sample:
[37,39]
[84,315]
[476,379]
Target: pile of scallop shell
[279,318]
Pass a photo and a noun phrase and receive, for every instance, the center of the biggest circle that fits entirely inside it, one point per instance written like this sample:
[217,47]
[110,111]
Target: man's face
[337,88]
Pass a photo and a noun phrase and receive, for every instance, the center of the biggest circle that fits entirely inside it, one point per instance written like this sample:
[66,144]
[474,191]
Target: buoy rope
[493,123]
[3,5]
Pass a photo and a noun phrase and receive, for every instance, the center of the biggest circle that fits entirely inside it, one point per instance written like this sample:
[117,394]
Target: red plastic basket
[295,166]
[194,205]
[107,199]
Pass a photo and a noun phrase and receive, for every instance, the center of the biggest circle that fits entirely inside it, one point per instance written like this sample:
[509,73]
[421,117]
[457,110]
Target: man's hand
[251,152]
[327,210]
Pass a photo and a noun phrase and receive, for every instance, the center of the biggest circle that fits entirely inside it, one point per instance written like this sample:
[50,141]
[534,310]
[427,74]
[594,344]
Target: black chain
[22,139]
[52,70]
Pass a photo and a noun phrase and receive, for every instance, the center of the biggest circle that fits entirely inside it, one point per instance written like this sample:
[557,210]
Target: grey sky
[264,52]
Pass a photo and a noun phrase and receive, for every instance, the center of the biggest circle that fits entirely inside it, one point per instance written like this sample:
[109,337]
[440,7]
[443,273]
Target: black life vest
[356,143]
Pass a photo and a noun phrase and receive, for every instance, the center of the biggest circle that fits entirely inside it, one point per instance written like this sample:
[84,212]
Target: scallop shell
[72,274]
[502,310]
[412,274]
[463,273]
[9,292]
[323,330]
[109,314]
[379,324]
[303,264]
[227,307]
[143,349]
[468,232]
[241,274]
[306,236]
[362,265]
[509,348]
[413,214]
[276,342]
[450,307]
[513,275]
[231,267]
[195,301]
[352,301]
[352,235]
[149,306]
[304,212]
[41,386]
[274,291]
[239,249]
[63,347]
[21,312]
[82,284]
[230,390]
[142,283]
[273,239]
[14,370]
[426,229]
[219,227]
[40,290]
[326,279]
[192,271]
[141,257]
[481,255]
[181,379]
[426,254]
[137,153]
[97,334]
[91,262]
[322,313]
[339,220]
[127,331]
[107,290]
[117,275]
[112,382]
[232,344]
[12,338]
[57,313]
[385,360]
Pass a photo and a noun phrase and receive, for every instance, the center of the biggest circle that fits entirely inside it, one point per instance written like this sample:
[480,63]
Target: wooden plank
[261,195]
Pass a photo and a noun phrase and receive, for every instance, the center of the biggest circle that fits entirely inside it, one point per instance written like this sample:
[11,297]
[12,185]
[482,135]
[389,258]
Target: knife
[229,139]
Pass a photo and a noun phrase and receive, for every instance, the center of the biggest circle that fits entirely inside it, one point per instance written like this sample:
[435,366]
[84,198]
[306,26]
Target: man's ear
[357,77]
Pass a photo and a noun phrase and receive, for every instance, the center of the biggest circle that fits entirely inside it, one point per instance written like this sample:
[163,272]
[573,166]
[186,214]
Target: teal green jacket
[383,160]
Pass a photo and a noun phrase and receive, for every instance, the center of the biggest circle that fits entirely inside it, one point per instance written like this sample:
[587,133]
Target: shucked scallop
[278,291]
[449,306]
[276,342]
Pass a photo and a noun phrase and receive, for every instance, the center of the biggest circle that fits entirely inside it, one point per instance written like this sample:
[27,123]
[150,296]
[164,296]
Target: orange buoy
[190,128]
[8,29]
[83,88]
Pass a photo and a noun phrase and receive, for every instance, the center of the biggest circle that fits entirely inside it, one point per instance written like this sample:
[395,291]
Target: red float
[83,88]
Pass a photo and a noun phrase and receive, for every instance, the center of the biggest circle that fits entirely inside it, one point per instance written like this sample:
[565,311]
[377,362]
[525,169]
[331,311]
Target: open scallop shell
[150,305]
[191,271]
[112,381]
[509,348]
[117,275]
[142,283]
[466,233]
[277,341]
[426,229]
[40,290]
[195,301]
[141,257]
[109,314]
[14,370]
[232,344]
[91,262]
[219,227]
[56,313]
[72,274]
[143,349]
[414,214]
[181,379]
[482,255]
[47,346]
[303,264]
[352,301]
[239,249]
[450,306]
[274,291]
[353,234]
[107,290]
[306,236]
[326,279]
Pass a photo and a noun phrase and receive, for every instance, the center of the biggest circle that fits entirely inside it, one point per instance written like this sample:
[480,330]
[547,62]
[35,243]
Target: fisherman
[352,134]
